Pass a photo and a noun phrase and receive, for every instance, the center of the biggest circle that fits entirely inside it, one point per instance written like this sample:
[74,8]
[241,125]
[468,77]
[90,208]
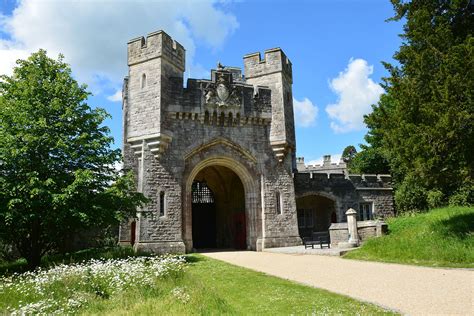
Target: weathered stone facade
[231,132]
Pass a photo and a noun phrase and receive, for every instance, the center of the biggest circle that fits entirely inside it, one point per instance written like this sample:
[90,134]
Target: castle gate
[218,209]
[230,139]
[221,209]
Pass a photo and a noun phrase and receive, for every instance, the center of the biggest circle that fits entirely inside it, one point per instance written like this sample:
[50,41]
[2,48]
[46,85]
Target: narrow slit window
[143,81]
[133,229]
[162,203]
[278,202]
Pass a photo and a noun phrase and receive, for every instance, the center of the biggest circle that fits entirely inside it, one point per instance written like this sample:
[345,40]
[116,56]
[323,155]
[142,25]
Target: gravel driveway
[407,289]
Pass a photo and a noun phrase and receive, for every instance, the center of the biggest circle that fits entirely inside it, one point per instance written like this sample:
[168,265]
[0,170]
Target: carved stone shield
[222,92]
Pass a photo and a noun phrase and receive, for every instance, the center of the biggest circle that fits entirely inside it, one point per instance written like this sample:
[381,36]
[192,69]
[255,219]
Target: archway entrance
[315,214]
[218,209]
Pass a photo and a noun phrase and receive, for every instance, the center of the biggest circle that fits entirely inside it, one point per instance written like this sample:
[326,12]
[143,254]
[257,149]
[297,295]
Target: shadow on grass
[17,266]
[459,226]
[192,258]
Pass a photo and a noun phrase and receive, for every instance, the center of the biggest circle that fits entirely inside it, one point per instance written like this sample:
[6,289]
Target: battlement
[275,61]
[157,44]
[326,167]
[224,98]
[359,181]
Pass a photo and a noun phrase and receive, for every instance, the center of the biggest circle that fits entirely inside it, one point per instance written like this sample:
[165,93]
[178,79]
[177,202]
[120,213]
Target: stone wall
[243,123]
[171,133]
[338,232]
[347,191]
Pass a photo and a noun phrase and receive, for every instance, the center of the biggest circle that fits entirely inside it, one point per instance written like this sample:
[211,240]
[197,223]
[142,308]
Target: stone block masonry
[231,135]
[175,136]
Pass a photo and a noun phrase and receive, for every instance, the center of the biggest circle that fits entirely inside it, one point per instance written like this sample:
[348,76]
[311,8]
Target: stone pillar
[351,215]
[353,241]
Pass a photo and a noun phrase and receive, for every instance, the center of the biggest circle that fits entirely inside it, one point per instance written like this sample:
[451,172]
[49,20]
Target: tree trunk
[33,248]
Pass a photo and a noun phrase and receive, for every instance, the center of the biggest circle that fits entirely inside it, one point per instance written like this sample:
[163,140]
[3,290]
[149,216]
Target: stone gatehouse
[217,157]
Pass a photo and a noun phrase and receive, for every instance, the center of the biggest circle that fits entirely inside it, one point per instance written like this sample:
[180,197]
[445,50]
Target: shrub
[411,196]
[435,198]
[464,196]
[8,252]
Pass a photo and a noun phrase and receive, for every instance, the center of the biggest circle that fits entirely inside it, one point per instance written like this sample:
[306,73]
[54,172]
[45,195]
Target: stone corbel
[280,148]
[137,147]
[157,144]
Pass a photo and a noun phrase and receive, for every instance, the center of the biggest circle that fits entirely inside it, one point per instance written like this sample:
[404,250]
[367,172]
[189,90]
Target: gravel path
[408,289]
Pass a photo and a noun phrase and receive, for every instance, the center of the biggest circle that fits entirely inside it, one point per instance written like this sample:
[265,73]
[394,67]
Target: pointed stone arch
[243,164]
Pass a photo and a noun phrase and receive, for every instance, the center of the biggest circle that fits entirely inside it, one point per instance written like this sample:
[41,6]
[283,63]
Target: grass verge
[151,286]
[211,287]
[442,237]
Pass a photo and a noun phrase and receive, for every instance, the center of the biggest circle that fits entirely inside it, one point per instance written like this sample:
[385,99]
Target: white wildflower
[97,277]
[180,294]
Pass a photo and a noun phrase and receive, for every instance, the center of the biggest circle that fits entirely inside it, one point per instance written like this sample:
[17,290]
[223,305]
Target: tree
[57,171]
[348,153]
[424,125]
[370,161]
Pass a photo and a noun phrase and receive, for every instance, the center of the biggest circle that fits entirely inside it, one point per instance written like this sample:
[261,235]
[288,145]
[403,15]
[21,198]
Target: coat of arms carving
[222,93]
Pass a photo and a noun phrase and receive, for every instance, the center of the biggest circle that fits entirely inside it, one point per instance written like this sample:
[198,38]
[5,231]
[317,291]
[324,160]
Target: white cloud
[356,93]
[305,112]
[9,54]
[335,158]
[93,34]
[116,97]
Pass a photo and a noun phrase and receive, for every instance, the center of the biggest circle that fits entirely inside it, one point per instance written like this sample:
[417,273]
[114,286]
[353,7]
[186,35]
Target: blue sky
[336,48]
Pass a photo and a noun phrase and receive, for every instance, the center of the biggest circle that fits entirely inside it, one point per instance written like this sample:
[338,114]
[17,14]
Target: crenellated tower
[155,64]
[275,71]
[215,157]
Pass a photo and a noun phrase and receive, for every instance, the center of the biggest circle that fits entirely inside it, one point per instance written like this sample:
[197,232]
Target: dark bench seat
[317,238]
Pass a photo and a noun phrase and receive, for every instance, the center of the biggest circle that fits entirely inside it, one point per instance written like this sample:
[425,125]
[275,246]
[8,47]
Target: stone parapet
[369,181]
[155,45]
[274,61]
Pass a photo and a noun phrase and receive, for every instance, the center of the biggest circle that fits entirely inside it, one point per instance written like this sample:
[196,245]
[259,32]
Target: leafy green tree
[424,125]
[348,153]
[56,163]
[370,161]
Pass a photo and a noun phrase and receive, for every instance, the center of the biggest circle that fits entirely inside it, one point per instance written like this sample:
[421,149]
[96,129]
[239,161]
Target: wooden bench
[317,238]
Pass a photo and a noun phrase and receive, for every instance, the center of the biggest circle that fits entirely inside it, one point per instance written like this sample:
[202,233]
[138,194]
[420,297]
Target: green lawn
[441,237]
[215,287]
[205,286]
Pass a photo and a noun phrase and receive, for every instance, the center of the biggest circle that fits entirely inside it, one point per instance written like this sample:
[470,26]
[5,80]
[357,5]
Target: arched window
[214,118]
[143,81]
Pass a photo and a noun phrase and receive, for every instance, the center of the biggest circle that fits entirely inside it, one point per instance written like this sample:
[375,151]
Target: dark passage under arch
[218,209]
[204,216]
